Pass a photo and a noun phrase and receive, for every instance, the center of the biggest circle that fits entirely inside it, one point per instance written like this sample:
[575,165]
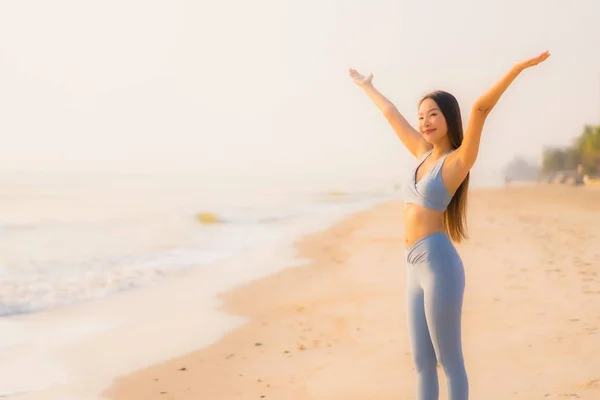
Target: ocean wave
[37,289]
[215,218]
[78,268]
[8,227]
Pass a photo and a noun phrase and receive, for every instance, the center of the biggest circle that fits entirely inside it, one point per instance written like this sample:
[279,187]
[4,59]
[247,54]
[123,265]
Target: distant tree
[553,159]
[588,145]
[585,150]
[519,169]
[572,157]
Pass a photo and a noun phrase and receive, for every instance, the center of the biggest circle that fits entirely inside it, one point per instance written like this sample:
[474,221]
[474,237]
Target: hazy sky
[261,87]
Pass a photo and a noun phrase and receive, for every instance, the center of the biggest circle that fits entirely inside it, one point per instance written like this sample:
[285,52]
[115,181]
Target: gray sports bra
[430,191]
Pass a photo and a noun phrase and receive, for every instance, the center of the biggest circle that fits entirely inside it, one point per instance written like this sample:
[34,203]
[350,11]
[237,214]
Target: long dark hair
[455,216]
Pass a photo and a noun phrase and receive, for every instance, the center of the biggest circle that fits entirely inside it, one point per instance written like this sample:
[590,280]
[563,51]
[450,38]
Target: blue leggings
[435,286]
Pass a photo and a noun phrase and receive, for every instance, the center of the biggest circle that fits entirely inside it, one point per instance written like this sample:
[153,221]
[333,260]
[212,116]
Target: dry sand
[335,328]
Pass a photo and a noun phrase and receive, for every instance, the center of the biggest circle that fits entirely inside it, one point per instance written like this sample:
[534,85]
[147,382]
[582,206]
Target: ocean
[73,238]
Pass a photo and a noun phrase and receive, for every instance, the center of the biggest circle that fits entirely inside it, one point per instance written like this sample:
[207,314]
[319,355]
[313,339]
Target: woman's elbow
[482,107]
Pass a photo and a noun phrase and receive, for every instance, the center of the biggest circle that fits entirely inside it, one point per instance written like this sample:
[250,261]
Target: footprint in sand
[591,292]
[553,270]
[591,331]
[594,383]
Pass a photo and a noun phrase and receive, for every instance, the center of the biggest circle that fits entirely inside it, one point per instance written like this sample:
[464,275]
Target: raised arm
[467,152]
[410,137]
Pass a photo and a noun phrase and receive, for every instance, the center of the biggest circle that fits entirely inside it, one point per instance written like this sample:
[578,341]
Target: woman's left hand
[532,61]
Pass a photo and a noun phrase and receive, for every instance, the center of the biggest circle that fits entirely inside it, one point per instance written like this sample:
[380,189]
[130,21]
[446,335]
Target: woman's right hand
[359,79]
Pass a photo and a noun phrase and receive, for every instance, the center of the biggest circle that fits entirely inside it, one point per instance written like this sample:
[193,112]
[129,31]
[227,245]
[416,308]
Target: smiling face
[432,123]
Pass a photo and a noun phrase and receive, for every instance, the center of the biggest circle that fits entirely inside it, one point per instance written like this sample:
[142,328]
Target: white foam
[41,288]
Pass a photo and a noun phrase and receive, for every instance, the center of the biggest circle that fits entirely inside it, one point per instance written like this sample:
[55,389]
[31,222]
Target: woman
[434,216]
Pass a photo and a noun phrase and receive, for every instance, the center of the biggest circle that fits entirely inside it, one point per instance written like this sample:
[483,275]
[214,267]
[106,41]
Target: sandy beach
[334,328]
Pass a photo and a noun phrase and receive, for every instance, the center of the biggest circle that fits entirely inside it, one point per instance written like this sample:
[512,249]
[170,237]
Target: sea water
[72,238]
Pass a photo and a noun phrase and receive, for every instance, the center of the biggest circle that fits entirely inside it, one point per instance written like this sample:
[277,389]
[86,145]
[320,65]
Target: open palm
[533,61]
[360,79]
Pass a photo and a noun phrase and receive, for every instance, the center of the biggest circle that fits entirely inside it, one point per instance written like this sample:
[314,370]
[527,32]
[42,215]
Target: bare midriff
[420,222]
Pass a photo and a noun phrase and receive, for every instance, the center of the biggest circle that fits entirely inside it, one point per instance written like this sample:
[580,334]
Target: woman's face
[432,123]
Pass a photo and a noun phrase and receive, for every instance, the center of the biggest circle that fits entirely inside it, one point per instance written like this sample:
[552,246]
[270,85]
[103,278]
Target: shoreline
[66,351]
[325,329]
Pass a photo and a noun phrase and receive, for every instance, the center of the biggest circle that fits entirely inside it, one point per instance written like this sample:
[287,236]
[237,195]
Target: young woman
[434,217]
